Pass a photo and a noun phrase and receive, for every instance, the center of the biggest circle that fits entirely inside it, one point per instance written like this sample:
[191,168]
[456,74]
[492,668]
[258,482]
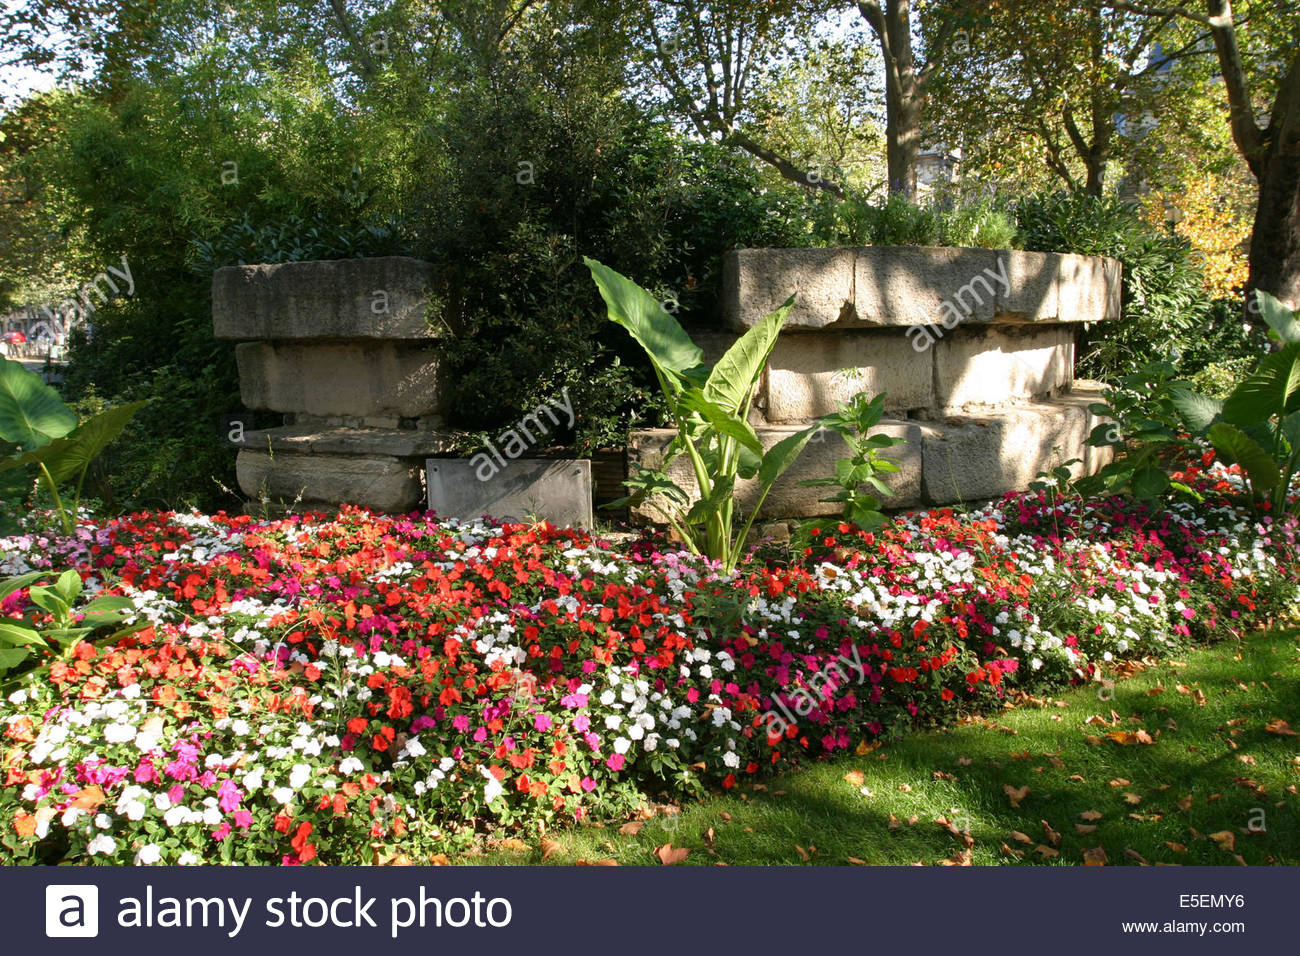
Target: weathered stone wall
[973,348]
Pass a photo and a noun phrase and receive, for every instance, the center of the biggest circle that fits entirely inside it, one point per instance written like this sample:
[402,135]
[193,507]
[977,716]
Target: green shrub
[1165,307]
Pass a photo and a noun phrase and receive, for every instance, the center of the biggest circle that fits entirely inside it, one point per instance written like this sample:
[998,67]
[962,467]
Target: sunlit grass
[1215,775]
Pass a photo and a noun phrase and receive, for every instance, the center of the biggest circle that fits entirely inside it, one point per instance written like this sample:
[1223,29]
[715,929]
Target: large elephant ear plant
[1258,425]
[38,432]
[710,408]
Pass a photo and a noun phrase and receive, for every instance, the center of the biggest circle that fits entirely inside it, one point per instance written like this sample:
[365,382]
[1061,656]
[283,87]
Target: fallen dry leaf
[940,775]
[1176,847]
[631,828]
[856,862]
[1007,851]
[904,788]
[726,817]
[439,859]
[511,844]
[894,822]
[1185,803]
[803,854]
[960,858]
[1280,727]
[670,855]
[1096,856]
[964,761]
[1119,782]
[856,777]
[1247,759]
[1052,836]
[1132,799]
[549,847]
[1199,696]
[1090,815]
[1077,778]
[88,798]
[1085,828]
[1135,855]
[597,863]
[1021,837]
[865,748]
[1226,839]
[1129,737]
[1046,852]
[1015,795]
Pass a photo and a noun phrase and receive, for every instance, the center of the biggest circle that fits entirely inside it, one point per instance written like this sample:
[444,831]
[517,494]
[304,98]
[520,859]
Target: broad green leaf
[18,635]
[1241,449]
[1280,319]
[11,585]
[66,458]
[1149,483]
[736,373]
[723,420]
[68,586]
[703,509]
[9,659]
[1199,411]
[108,609]
[1272,389]
[657,331]
[31,413]
[784,454]
[48,600]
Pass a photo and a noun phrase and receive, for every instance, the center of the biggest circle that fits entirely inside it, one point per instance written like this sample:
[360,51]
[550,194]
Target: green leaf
[721,419]
[1279,318]
[66,458]
[11,585]
[707,506]
[1149,482]
[1239,448]
[784,454]
[31,413]
[733,378]
[661,335]
[108,609]
[1199,411]
[1272,389]
[19,635]
[9,659]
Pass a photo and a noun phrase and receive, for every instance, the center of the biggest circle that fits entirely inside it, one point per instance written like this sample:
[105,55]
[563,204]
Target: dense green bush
[1165,306]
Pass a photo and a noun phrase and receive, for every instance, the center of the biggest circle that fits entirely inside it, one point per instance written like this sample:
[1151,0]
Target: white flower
[299,775]
[282,795]
[148,855]
[613,722]
[119,733]
[187,859]
[731,759]
[103,843]
[175,816]
[621,745]
[492,789]
[350,765]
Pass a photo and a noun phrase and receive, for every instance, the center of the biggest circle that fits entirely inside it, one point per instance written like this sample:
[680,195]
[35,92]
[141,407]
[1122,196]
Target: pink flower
[221,832]
[581,723]
[242,818]
[228,796]
[615,762]
[588,784]
[461,722]
[541,722]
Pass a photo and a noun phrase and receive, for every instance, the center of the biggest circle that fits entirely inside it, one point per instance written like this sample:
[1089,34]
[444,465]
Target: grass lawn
[1215,786]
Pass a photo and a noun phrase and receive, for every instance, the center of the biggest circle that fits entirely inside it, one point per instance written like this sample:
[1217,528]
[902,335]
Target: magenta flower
[228,796]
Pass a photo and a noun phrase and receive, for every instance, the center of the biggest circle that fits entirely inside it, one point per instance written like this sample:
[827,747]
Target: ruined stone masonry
[974,348]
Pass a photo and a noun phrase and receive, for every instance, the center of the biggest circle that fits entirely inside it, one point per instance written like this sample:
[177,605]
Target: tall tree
[1259,59]
[709,62]
[908,74]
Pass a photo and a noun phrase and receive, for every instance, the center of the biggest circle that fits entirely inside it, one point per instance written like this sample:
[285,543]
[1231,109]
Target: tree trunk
[1275,239]
[902,135]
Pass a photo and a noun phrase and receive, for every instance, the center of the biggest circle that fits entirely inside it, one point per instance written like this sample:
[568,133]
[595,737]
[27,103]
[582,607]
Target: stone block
[998,364]
[787,499]
[813,375]
[1029,286]
[358,379]
[556,491]
[380,298]
[380,483]
[756,281]
[324,439]
[1089,288]
[972,459]
[924,285]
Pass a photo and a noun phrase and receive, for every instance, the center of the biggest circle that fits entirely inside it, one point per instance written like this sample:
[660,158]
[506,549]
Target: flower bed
[366,688]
